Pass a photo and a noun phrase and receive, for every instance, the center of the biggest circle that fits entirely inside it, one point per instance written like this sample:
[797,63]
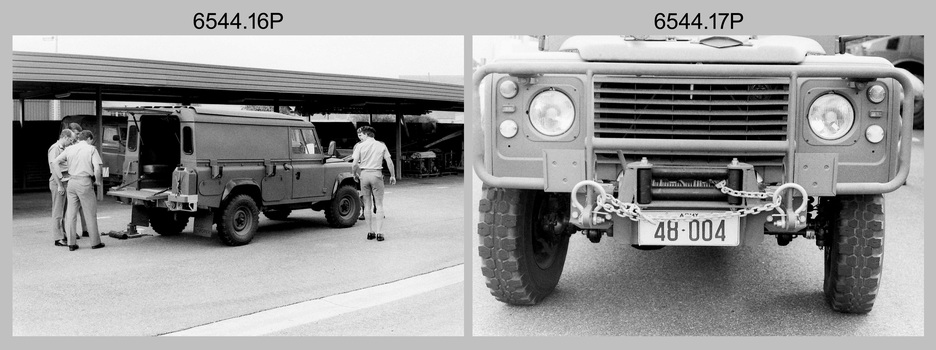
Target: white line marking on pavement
[273,320]
[103,217]
[916,139]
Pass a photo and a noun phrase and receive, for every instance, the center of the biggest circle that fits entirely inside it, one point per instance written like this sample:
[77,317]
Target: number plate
[689,231]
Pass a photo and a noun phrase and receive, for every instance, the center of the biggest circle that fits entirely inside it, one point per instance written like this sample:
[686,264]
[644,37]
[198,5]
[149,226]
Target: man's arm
[56,171]
[355,156]
[390,166]
[98,174]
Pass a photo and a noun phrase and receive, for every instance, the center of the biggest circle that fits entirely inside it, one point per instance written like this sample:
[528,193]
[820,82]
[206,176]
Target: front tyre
[239,220]
[344,207]
[853,256]
[524,238]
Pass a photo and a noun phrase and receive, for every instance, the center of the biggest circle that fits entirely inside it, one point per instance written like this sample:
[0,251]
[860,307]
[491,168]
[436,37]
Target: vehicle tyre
[344,208]
[524,238]
[166,223]
[277,214]
[239,220]
[854,253]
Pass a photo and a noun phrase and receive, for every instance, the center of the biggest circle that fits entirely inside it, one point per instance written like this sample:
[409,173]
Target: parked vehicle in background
[224,167]
[904,51]
[688,141]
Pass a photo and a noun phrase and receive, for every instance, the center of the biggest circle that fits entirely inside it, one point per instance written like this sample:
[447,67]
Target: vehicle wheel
[344,207]
[854,253]
[278,214]
[166,223]
[239,220]
[524,238]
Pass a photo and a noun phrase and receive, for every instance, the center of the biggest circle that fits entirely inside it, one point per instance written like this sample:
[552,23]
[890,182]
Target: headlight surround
[552,113]
[831,116]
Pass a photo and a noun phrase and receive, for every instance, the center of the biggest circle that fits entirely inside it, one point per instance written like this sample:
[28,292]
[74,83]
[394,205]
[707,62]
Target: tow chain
[611,205]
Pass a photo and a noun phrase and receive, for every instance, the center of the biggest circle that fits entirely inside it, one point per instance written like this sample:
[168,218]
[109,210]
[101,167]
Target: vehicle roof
[222,112]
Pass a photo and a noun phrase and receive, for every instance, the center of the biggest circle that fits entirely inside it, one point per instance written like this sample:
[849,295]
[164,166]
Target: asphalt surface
[612,289]
[156,285]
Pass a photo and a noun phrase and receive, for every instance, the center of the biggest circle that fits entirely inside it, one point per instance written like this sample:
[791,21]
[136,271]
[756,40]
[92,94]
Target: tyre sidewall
[344,209]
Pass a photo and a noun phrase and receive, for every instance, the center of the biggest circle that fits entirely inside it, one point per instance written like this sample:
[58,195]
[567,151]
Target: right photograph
[706,185]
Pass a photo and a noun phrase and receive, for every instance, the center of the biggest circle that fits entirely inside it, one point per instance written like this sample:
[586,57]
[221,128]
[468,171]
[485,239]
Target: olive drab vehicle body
[224,167]
[696,141]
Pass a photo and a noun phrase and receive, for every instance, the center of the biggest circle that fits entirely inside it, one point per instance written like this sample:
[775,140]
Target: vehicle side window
[302,141]
[132,138]
[187,146]
[312,145]
[110,134]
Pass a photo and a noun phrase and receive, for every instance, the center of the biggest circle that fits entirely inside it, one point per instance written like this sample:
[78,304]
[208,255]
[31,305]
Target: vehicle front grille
[691,108]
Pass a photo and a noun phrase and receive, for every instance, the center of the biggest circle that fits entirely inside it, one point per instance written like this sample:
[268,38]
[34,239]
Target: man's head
[74,127]
[86,136]
[366,130]
[66,137]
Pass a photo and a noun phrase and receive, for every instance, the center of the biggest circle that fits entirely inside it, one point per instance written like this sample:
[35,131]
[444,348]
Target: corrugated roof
[45,75]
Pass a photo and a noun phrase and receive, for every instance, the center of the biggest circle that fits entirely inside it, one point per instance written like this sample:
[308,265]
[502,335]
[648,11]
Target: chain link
[633,212]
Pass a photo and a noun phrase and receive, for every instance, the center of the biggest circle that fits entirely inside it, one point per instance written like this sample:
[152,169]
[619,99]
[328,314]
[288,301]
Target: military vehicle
[224,167]
[688,141]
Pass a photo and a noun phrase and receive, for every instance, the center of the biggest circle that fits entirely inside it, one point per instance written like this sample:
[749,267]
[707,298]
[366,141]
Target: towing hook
[578,206]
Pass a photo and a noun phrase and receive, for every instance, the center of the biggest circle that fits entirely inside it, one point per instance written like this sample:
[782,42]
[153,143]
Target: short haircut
[75,127]
[368,130]
[66,134]
[85,135]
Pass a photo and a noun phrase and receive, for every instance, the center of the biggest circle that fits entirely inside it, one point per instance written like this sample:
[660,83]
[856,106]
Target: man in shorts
[367,161]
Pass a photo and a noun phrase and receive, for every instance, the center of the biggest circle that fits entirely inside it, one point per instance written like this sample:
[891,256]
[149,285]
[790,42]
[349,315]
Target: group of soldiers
[75,165]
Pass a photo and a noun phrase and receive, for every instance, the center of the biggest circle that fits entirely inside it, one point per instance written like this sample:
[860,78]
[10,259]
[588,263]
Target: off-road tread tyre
[162,222]
[333,210]
[853,260]
[506,255]
[278,214]
[227,232]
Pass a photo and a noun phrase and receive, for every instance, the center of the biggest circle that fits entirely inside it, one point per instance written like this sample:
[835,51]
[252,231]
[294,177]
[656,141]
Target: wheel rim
[548,228]
[345,207]
[242,220]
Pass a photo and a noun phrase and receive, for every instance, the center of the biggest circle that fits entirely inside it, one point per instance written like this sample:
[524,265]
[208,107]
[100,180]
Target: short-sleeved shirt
[81,157]
[53,153]
[369,154]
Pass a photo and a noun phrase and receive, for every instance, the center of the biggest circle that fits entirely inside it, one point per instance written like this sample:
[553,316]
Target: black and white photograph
[698,185]
[238,185]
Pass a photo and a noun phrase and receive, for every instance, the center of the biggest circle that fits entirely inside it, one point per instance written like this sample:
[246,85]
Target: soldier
[76,128]
[368,169]
[84,168]
[57,186]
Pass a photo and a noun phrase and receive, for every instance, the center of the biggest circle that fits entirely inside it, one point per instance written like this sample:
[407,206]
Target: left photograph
[238,185]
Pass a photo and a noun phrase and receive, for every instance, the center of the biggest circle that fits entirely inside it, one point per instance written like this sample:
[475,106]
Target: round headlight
[876,93]
[552,113]
[831,116]
[508,128]
[508,89]
[874,133]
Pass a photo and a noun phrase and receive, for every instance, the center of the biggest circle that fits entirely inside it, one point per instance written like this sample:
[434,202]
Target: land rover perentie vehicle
[224,167]
[705,141]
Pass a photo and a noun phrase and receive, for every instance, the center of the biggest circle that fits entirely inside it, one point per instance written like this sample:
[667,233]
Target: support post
[399,146]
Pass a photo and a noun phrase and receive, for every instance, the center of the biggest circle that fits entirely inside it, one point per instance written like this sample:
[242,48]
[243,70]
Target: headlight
[552,113]
[831,116]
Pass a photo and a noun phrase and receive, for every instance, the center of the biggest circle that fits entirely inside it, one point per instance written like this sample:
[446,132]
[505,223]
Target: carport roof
[78,77]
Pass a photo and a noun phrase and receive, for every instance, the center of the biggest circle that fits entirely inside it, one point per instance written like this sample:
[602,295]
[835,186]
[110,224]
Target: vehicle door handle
[287,167]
